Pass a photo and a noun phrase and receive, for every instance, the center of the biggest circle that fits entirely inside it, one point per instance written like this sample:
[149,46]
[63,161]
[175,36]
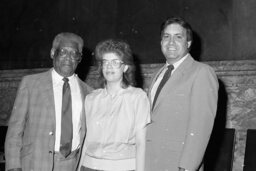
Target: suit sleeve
[202,111]
[16,125]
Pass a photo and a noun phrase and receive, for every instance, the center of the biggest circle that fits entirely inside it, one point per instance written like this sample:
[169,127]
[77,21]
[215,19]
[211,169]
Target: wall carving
[237,102]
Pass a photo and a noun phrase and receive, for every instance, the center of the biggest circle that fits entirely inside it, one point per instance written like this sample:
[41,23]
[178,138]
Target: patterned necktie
[166,76]
[66,120]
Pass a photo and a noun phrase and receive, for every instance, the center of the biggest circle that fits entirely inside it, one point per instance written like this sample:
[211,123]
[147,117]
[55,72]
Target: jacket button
[50,152]
[51,133]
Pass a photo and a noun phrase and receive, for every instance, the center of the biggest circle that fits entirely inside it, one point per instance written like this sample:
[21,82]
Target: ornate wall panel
[237,96]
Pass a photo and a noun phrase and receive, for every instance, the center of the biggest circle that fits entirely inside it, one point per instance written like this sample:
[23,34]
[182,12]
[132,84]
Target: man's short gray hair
[68,37]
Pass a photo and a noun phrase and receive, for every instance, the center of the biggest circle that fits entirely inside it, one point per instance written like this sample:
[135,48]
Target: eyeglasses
[115,63]
[74,55]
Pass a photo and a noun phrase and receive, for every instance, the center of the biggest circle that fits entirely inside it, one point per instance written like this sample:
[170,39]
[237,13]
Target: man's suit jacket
[30,137]
[182,118]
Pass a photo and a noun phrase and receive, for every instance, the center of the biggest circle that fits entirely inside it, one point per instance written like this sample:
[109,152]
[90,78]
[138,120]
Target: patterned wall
[237,102]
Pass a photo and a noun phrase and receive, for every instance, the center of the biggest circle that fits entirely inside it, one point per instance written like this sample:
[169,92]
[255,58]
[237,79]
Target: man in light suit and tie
[47,125]
[184,96]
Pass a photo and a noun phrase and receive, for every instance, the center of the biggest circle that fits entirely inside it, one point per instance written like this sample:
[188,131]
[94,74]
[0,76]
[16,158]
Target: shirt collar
[177,64]
[57,78]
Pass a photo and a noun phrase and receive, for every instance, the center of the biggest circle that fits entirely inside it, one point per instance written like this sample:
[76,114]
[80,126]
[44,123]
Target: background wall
[224,30]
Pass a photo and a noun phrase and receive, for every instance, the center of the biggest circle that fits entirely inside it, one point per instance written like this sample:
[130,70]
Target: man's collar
[176,64]
[58,77]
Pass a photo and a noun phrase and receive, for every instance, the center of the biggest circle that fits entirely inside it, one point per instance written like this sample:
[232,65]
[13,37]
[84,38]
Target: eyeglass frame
[72,54]
[105,63]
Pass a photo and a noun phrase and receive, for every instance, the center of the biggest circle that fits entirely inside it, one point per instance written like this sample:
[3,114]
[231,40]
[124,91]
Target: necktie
[66,120]
[166,76]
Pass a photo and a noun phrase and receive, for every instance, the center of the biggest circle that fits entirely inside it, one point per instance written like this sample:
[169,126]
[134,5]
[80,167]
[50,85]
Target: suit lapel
[82,119]
[179,73]
[82,89]
[175,79]
[47,87]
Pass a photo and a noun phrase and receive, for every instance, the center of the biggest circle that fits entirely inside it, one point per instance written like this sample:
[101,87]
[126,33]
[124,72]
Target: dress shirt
[76,108]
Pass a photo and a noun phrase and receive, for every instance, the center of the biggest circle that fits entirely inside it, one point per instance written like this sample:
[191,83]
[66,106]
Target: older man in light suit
[183,108]
[38,127]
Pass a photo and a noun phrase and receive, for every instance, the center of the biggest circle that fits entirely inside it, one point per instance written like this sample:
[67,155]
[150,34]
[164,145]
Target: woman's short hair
[123,51]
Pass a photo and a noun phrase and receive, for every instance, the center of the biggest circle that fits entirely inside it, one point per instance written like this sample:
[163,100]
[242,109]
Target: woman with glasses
[116,114]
